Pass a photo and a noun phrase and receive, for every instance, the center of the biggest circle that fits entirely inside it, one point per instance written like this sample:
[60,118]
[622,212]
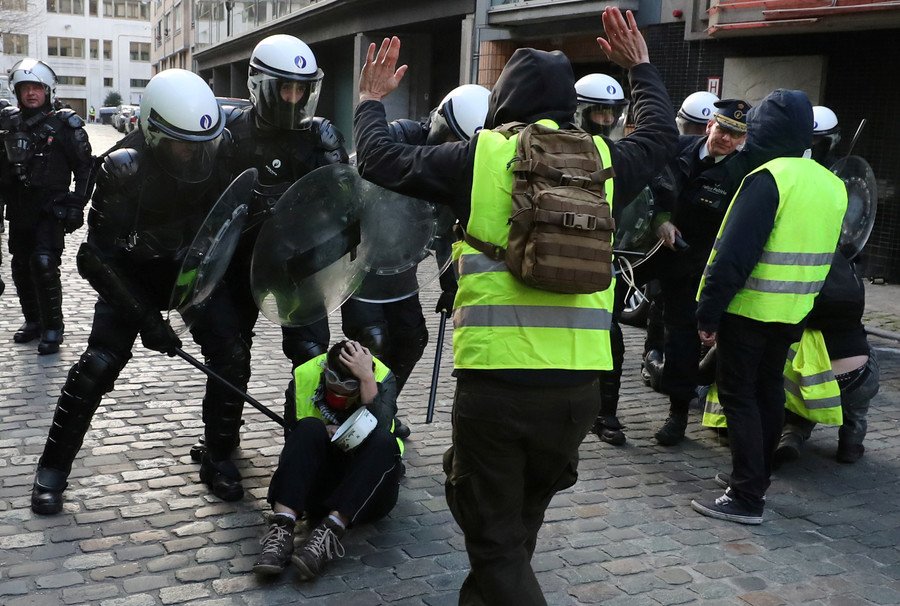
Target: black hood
[779,126]
[534,84]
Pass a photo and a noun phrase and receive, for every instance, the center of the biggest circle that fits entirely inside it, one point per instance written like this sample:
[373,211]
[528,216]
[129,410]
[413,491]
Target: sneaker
[729,509]
[322,546]
[277,546]
[849,453]
[723,480]
[609,430]
[788,449]
[672,431]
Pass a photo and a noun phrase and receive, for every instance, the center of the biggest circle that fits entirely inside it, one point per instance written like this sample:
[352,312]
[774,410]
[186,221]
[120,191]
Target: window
[94,49]
[139,51]
[126,9]
[108,82]
[14,5]
[72,80]
[107,50]
[15,44]
[65,47]
[66,7]
[167,20]
[177,17]
[138,83]
[158,33]
[92,8]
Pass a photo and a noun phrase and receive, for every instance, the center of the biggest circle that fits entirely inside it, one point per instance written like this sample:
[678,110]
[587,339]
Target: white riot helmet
[182,124]
[284,82]
[826,133]
[601,106]
[696,110]
[459,115]
[32,70]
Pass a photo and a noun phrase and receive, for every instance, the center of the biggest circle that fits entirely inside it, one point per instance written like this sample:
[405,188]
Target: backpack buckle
[574,180]
[579,221]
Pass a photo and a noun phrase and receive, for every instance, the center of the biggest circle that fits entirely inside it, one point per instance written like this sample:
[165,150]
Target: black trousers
[514,447]
[31,235]
[682,345]
[315,476]
[749,376]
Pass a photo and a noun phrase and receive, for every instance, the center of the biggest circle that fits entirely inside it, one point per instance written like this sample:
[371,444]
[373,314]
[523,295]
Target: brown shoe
[322,546]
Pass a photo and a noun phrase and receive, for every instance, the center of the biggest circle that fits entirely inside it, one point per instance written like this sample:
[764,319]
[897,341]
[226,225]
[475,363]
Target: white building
[94,46]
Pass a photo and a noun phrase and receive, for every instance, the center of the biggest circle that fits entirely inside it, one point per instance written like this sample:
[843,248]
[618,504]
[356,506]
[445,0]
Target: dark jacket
[533,85]
[780,126]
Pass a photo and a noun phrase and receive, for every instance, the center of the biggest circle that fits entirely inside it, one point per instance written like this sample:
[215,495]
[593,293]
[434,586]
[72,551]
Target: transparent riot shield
[862,202]
[210,253]
[334,234]
[634,229]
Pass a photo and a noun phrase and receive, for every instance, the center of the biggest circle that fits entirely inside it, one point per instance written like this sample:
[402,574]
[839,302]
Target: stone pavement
[139,530]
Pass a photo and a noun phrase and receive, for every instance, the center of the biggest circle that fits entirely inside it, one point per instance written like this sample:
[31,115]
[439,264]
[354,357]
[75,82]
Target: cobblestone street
[139,529]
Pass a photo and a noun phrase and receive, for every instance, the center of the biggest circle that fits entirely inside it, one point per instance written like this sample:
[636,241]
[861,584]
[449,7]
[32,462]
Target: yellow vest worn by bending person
[797,256]
[308,377]
[499,322]
[810,388]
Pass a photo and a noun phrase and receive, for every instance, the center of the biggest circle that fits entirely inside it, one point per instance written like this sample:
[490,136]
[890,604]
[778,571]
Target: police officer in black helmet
[43,149]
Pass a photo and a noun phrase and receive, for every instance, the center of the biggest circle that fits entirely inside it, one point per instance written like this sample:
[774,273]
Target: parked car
[121,117]
[227,102]
[133,122]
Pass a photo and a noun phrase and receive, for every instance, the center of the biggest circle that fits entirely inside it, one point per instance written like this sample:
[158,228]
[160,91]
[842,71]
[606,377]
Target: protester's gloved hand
[69,209]
[157,335]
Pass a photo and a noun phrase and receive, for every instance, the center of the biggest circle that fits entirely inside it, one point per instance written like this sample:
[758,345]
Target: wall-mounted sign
[714,85]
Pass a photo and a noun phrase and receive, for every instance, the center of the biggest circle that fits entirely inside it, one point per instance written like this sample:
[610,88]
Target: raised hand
[624,44]
[380,75]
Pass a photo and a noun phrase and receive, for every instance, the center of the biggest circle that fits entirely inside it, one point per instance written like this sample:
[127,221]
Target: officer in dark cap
[695,191]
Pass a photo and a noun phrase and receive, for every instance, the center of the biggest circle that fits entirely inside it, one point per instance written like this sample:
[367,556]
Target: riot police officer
[396,331]
[826,135]
[695,112]
[282,138]
[44,148]
[154,190]
[602,106]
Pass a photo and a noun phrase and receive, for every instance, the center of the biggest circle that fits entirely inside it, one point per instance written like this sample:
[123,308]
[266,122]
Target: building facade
[834,50]
[172,30]
[94,46]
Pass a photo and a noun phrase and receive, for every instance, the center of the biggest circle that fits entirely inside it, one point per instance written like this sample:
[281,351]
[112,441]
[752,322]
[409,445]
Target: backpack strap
[493,251]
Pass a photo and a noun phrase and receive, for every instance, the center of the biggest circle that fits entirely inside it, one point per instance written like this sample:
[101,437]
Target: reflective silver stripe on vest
[532,316]
[812,403]
[817,379]
[783,287]
[788,258]
[478,264]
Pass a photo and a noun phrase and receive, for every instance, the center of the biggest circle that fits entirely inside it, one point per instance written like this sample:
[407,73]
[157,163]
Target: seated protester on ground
[315,475]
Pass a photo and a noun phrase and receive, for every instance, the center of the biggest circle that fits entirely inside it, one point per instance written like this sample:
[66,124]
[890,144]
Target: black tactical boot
[29,331]
[47,491]
[222,477]
[50,341]
[849,453]
[47,287]
[652,369]
[788,449]
[400,430]
[672,431]
[609,430]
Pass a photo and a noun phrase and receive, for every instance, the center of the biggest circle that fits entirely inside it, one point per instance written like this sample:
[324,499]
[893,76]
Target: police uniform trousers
[109,349]
[317,477]
[514,447]
[749,376]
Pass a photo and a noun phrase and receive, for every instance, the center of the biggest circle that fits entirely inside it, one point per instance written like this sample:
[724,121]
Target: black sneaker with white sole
[729,509]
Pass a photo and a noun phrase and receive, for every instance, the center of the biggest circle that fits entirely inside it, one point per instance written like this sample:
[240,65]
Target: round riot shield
[862,201]
[306,261]
[210,253]
[634,228]
[406,244]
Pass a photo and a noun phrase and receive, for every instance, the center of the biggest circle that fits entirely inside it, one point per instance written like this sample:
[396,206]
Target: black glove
[69,209]
[445,302]
[159,336]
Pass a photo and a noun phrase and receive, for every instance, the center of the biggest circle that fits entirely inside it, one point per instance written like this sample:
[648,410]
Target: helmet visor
[187,161]
[285,103]
[602,119]
[439,130]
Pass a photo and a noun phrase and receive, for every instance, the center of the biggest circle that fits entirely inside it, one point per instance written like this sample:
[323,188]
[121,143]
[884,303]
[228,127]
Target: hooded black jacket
[780,126]
[533,85]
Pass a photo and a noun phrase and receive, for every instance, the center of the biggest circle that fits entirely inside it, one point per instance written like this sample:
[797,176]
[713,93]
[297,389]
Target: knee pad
[375,337]
[300,351]
[95,373]
[44,263]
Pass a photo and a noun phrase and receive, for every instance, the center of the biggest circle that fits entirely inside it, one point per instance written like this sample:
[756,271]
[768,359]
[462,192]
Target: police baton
[862,124]
[439,346]
[224,382]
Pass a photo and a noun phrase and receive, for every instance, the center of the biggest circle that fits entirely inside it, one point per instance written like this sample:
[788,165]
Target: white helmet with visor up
[284,82]
[601,106]
[32,70]
[182,124]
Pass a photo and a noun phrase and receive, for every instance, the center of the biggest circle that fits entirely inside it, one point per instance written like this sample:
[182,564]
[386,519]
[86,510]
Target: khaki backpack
[560,229]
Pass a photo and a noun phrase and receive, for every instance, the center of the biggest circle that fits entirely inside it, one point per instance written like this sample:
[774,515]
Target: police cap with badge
[732,114]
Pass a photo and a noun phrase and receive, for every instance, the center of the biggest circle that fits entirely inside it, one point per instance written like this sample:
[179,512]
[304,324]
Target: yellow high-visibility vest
[499,322]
